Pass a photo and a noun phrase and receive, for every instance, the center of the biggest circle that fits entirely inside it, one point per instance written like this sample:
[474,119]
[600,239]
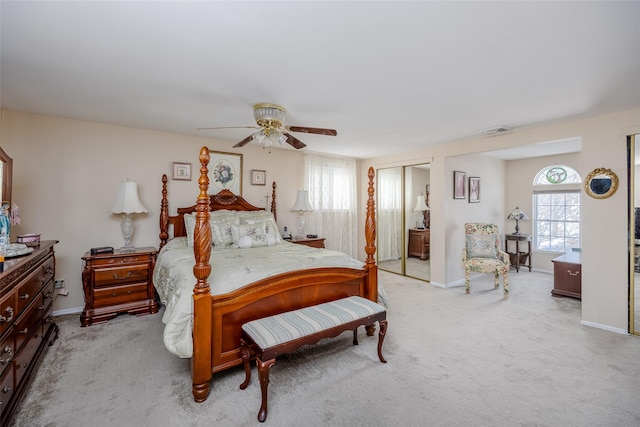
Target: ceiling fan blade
[230,127]
[319,131]
[244,142]
[295,142]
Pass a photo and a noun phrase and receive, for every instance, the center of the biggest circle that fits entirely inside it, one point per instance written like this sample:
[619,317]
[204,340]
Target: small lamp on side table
[421,207]
[518,215]
[127,203]
[301,206]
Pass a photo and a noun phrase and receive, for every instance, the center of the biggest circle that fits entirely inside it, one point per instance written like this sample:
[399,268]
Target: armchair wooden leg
[466,281]
[496,277]
[505,285]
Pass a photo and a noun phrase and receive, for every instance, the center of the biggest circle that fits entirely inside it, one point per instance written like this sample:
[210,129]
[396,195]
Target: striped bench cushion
[285,327]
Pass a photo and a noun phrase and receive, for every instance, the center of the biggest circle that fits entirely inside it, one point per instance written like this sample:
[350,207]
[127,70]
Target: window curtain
[389,214]
[332,184]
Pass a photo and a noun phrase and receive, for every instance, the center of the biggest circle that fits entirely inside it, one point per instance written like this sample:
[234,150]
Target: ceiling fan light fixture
[269,115]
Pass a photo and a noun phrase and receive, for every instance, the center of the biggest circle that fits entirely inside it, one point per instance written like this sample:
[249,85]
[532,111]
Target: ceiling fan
[270,121]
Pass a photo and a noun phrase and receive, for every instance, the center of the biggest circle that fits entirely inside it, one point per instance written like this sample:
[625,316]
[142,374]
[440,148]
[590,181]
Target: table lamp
[421,207]
[518,215]
[301,206]
[127,203]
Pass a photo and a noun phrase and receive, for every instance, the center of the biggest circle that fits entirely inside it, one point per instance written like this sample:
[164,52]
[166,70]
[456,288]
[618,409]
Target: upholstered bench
[284,333]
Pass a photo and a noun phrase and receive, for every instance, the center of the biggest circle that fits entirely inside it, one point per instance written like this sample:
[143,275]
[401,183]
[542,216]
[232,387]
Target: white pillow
[251,235]
[190,226]
[221,234]
[264,217]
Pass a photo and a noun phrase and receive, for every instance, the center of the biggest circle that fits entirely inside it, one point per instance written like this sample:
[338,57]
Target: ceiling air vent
[498,130]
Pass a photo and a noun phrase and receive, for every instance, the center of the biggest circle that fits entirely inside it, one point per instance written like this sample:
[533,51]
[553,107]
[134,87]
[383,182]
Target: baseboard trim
[74,310]
[605,327]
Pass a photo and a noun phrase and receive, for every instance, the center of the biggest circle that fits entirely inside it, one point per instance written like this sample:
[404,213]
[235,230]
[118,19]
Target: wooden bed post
[164,213]
[201,373]
[370,247]
[273,201]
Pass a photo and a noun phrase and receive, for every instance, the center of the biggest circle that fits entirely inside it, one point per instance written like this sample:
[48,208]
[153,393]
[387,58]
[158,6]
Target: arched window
[556,202]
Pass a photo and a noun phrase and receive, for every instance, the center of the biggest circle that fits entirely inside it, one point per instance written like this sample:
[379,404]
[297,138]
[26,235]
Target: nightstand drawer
[119,295]
[116,259]
[120,275]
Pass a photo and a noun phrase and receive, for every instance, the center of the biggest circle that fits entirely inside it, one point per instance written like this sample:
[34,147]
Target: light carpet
[453,360]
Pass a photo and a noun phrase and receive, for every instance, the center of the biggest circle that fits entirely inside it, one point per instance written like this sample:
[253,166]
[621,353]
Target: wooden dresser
[419,242]
[567,275]
[26,326]
[118,283]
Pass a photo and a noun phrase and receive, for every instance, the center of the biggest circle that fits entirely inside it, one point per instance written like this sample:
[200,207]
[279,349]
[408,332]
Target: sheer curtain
[389,213]
[331,182]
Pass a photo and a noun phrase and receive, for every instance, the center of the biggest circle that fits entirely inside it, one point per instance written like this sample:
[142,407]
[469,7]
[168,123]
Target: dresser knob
[8,350]
[6,389]
[24,331]
[114,294]
[25,296]
[7,319]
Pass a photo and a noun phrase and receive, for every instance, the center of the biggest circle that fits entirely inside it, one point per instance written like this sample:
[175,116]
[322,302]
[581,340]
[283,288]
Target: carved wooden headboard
[223,200]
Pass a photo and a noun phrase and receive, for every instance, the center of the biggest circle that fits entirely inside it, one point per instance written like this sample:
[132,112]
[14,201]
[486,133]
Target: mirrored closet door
[634,227]
[403,220]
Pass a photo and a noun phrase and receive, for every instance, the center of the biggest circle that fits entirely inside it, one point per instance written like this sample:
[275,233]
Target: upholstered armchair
[481,254]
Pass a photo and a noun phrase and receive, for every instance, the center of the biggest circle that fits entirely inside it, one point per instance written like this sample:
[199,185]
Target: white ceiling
[389,76]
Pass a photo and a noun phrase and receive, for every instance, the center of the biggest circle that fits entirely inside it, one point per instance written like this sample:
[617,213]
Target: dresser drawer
[29,322]
[114,261]
[121,274]
[25,357]
[8,311]
[47,298]
[6,388]
[7,351]
[48,269]
[119,295]
[29,288]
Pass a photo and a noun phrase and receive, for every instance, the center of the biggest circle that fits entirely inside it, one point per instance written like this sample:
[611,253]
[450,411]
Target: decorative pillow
[221,235]
[482,246]
[264,217]
[251,236]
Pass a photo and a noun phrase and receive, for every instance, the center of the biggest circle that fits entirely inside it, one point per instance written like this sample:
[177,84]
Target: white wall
[66,172]
[604,236]
[519,190]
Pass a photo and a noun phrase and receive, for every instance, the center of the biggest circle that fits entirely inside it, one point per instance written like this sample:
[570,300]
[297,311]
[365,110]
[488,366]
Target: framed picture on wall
[181,171]
[459,179]
[225,172]
[258,177]
[474,189]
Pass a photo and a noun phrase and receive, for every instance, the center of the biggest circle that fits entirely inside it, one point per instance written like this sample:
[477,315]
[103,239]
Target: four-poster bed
[218,310]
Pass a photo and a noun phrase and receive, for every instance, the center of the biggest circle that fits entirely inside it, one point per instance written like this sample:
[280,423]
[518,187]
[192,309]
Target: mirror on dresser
[6,168]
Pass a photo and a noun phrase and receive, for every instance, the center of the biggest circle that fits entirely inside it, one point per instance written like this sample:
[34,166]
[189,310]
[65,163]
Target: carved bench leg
[246,358]
[381,335]
[371,329]
[263,374]
[355,336]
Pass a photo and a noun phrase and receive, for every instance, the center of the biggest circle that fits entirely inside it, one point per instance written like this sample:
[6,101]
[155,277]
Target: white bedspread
[231,269]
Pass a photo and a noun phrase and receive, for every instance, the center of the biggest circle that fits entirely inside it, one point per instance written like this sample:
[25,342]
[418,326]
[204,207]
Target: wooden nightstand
[316,242]
[118,283]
